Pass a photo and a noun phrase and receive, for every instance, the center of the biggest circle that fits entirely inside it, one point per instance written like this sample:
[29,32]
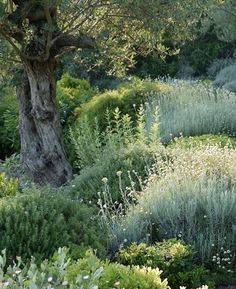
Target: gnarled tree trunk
[39,42]
[42,150]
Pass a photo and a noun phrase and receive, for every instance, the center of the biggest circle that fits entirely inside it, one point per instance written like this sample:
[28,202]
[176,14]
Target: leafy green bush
[92,145]
[118,276]
[49,274]
[127,97]
[8,186]
[38,223]
[175,259]
[121,147]
[202,51]
[133,162]
[161,255]
[71,93]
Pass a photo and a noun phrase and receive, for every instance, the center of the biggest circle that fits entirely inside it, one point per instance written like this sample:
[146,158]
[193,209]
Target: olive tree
[40,31]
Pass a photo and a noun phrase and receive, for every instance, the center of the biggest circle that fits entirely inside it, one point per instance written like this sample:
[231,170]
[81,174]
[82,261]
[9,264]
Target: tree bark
[42,150]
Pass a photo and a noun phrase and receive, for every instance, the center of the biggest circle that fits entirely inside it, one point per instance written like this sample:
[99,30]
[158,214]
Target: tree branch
[69,40]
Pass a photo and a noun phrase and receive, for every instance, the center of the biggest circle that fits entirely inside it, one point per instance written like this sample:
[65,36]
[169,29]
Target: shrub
[175,259]
[192,197]
[38,223]
[191,109]
[92,145]
[225,76]
[49,274]
[161,255]
[127,97]
[219,64]
[71,93]
[118,276]
[134,162]
[121,147]
[8,187]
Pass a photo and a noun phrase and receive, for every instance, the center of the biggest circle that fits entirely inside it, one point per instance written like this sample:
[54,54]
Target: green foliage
[121,147]
[92,145]
[201,52]
[71,93]
[175,259]
[134,163]
[127,97]
[207,139]
[118,276]
[9,135]
[38,223]
[193,109]
[12,166]
[8,187]
[154,66]
[161,255]
[193,199]
[49,274]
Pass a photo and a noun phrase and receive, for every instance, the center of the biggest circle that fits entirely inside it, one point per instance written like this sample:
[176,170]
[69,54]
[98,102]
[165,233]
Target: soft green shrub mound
[192,197]
[118,276]
[87,273]
[38,223]
[133,163]
[175,259]
[192,108]
[127,97]
[71,93]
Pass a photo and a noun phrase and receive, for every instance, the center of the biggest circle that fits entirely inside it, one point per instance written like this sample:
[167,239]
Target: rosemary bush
[38,223]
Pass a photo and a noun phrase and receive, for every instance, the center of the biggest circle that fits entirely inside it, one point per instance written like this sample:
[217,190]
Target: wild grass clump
[191,197]
[192,108]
